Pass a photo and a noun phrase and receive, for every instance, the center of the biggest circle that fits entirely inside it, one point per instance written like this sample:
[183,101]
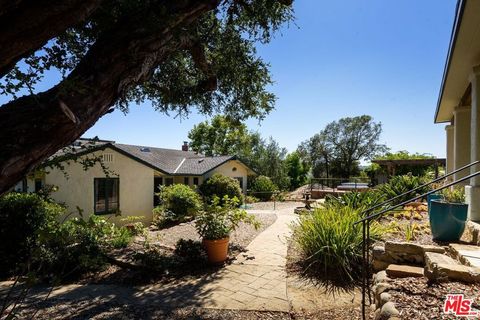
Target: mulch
[418,299]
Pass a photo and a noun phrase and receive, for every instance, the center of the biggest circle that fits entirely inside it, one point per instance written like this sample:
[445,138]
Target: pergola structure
[391,165]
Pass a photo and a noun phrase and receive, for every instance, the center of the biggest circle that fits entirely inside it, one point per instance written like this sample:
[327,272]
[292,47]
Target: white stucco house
[135,174]
[459,100]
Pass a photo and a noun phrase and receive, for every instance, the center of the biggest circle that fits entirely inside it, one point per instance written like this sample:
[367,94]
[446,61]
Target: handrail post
[364,270]
[368,262]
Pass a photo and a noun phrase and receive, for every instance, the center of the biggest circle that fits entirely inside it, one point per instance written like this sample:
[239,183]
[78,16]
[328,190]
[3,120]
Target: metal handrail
[417,188]
[375,215]
[366,226]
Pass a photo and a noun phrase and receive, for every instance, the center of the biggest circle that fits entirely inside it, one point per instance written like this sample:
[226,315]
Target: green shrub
[263,188]
[251,199]
[190,251]
[221,218]
[400,184]
[356,200]
[33,239]
[219,185]
[178,203]
[121,238]
[454,195]
[331,245]
[23,218]
[75,247]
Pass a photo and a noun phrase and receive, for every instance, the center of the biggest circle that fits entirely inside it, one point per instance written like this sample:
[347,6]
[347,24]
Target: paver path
[255,281]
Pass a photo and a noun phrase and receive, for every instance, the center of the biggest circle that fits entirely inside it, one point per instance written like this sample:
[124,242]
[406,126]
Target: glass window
[186,181]
[195,181]
[38,184]
[168,181]
[106,192]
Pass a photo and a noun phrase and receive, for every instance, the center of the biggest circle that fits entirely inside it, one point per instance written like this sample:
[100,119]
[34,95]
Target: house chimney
[185,146]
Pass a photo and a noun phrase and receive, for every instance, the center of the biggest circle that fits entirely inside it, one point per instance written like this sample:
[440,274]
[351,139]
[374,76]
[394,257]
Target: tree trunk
[35,127]
[27,25]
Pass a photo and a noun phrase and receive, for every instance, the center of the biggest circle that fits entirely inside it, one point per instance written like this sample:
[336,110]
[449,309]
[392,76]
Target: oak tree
[177,54]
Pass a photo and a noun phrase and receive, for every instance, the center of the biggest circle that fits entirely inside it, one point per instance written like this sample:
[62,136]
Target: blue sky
[343,58]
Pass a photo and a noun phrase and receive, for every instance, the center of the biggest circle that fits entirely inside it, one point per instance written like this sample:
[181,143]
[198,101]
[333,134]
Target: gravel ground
[416,299]
[103,310]
[278,205]
[241,237]
[399,221]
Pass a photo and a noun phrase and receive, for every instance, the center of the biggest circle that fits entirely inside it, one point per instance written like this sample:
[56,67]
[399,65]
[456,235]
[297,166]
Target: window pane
[100,195]
[112,194]
[38,184]
[185,181]
[195,181]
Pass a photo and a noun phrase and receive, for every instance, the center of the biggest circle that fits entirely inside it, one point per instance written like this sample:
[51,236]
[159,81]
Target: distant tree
[269,160]
[338,148]
[316,152]
[354,139]
[296,170]
[221,136]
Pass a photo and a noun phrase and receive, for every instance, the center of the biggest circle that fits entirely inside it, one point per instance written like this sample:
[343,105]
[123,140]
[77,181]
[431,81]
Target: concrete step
[440,267]
[403,271]
[468,255]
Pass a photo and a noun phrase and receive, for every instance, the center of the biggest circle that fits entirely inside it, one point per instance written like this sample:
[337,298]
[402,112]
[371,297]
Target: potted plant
[448,215]
[215,224]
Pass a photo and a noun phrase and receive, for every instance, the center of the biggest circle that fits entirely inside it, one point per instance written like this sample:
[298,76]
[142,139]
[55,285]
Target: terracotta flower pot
[217,250]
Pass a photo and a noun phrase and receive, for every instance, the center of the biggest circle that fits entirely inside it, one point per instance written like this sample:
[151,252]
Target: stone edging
[383,306]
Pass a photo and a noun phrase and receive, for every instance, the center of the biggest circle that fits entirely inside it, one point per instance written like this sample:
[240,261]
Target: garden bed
[410,224]
[163,242]
[417,299]
[279,205]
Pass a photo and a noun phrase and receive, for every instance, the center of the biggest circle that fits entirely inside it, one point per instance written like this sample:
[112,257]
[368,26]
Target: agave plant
[401,184]
[356,200]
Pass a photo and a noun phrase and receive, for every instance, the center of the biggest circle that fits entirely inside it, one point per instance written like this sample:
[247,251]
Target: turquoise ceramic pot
[447,220]
[433,196]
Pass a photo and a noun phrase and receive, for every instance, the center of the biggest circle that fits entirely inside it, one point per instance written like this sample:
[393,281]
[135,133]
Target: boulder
[402,271]
[384,298]
[387,311]
[403,247]
[473,232]
[459,272]
[467,254]
[440,267]
[380,277]
[404,252]
[379,289]
[379,265]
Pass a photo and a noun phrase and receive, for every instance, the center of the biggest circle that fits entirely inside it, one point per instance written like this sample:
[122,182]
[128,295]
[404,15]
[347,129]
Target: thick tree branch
[199,58]
[33,128]
[26,26]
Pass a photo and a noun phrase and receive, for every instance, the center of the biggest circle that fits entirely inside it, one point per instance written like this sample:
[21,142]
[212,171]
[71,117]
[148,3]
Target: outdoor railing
[366,271]
[333,183]
[273,198]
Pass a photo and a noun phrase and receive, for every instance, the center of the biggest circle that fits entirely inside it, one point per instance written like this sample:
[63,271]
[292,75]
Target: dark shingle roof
[199,166]
[168,161]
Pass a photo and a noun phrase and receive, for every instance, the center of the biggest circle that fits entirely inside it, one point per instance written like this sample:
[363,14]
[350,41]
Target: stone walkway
[255,281]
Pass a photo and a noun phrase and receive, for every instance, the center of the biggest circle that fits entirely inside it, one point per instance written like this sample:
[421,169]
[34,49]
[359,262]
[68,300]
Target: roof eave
[453,39]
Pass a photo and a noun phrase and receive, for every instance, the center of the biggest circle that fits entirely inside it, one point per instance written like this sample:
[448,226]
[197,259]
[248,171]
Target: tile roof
[168,161]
